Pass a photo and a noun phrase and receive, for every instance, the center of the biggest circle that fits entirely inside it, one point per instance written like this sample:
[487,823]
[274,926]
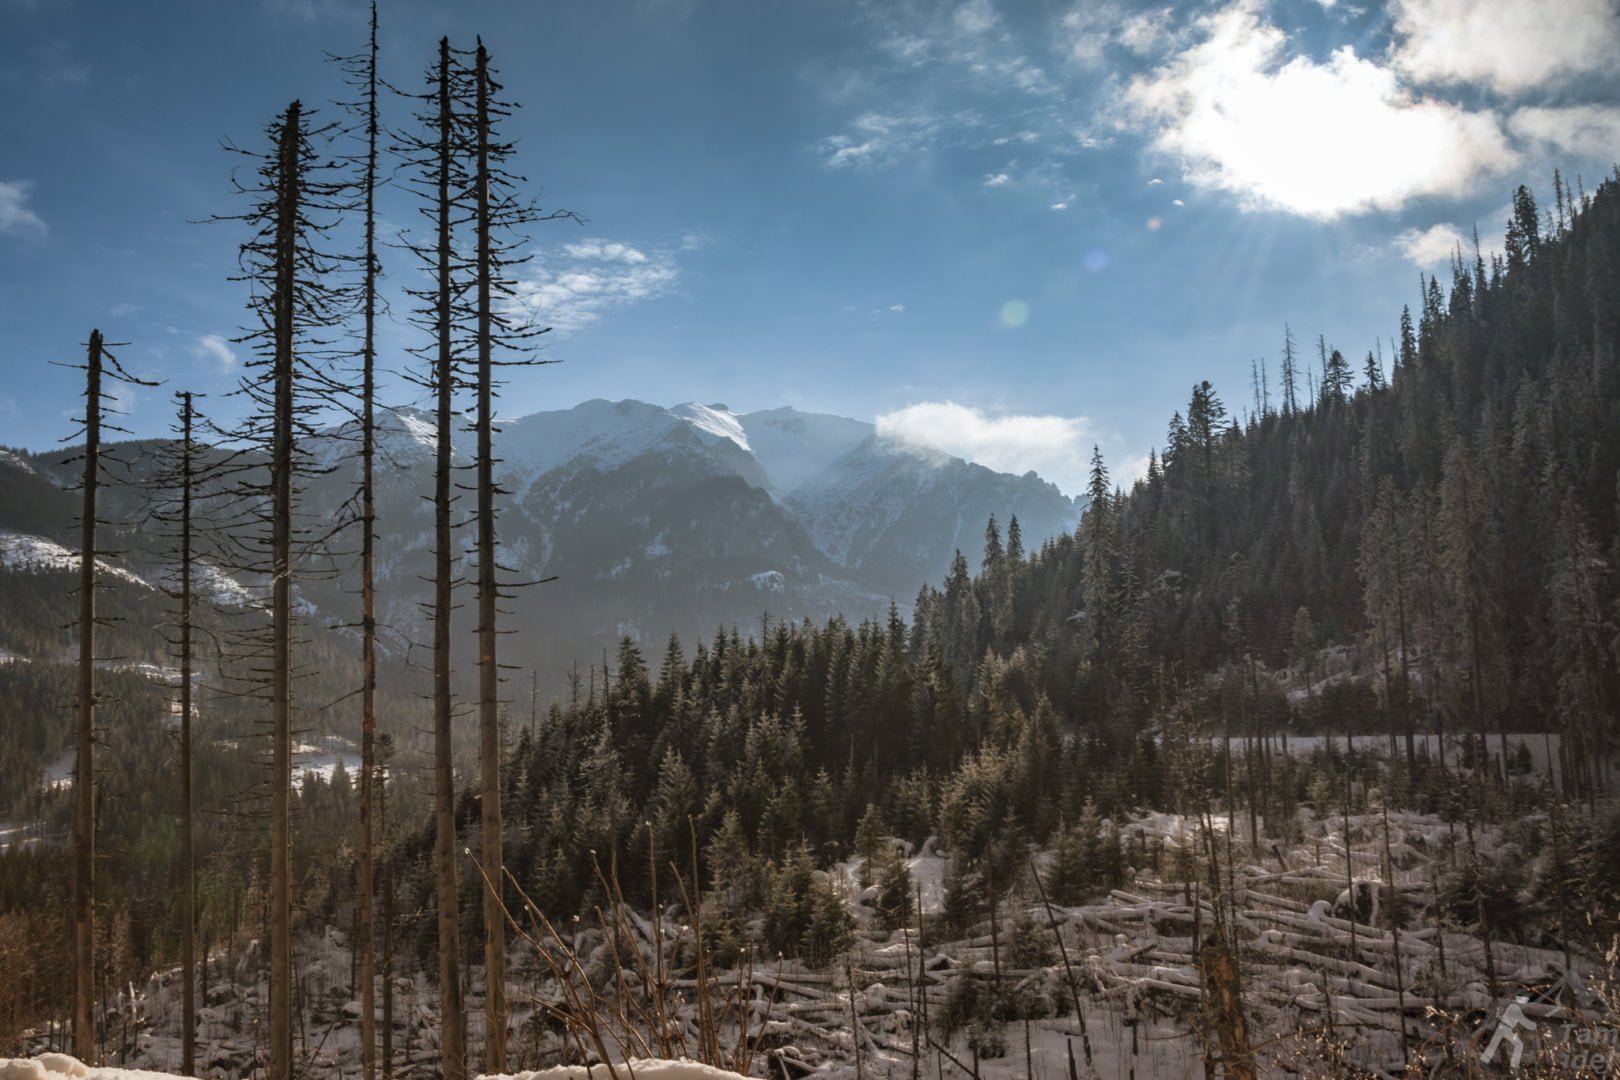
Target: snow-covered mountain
[654,519]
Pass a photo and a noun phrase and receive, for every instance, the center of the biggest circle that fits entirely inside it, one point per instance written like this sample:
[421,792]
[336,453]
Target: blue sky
[1011,230]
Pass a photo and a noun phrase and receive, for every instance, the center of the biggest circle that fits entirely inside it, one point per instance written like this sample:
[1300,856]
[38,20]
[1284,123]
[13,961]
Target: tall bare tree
[188,851]
[452,1009]
[499,216]
[297,297]
[100,368]
[84,771]
[362,72]
[489,733]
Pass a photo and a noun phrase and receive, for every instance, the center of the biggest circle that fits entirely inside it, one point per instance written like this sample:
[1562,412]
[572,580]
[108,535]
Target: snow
[323,759]
[63,1066]
[769,580]
[795,447]
[8,458]
[634,1069]
[715,420]
[1131,950]
[24,835]
[59,1066]
[24,551]
[1544,748]
[211,583]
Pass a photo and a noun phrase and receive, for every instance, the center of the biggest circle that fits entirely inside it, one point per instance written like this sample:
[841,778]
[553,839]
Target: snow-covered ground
[1129,957]
[64,1067]
[20,835]
[55,1066]
[322,758]
[1543,748]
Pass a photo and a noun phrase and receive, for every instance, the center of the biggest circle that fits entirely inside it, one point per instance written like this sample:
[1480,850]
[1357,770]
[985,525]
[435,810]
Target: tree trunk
[188,857]
[489,735]
[84,777]
[281,485]
[365,929]
[452,1011]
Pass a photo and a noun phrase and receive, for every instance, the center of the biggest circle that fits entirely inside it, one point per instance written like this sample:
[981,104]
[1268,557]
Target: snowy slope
[20,551]
[796,447]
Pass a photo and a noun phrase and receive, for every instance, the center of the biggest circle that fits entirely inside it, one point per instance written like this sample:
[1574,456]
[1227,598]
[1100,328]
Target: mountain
[651,519]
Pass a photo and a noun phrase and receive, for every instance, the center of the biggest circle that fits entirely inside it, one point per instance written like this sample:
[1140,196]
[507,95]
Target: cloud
[897,308]
[1056,447]
[976,17]
[997,180]
[1434,245]
[878,140]
[1589,130]
[15,216]
[573,290]
[1090,29]
[122,398]
[1508,45]
[1317,139]
[605,251]
[927,53]
[217,348]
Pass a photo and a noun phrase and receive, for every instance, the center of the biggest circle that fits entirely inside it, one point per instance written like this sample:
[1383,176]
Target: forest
[1370,588]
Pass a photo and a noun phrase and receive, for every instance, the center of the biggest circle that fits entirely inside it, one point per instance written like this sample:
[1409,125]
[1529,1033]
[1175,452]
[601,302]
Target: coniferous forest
[1296,757]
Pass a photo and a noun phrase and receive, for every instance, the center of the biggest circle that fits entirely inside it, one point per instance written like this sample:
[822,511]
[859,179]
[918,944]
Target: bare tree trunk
[188,854]
[489,735]
[281,485]
[453,1019]
[365,931]
[388,943]
[84,773]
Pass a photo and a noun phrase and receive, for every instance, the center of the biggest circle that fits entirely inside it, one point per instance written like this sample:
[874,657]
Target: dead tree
[297,297]
[362,72]
[499,216]
[175,496]
[436,160]
[84,772]
[100,367]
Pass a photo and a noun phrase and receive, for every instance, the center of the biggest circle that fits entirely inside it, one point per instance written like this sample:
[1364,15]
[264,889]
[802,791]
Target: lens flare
[1014,313]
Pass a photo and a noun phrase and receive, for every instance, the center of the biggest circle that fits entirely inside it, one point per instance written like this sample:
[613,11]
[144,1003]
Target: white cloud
[1509,45]
[572,291]
[1589,130]
[15,216]
[1090,29]
[878,140]
[605,251]
[976,17]
[1432,246]
[1315,139]
[122,398]
[897,308]
[217,348]
[997,180]
[1060,206]
[1056,447]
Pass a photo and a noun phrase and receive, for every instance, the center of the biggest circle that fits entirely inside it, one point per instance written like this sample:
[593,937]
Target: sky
[1009,230]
